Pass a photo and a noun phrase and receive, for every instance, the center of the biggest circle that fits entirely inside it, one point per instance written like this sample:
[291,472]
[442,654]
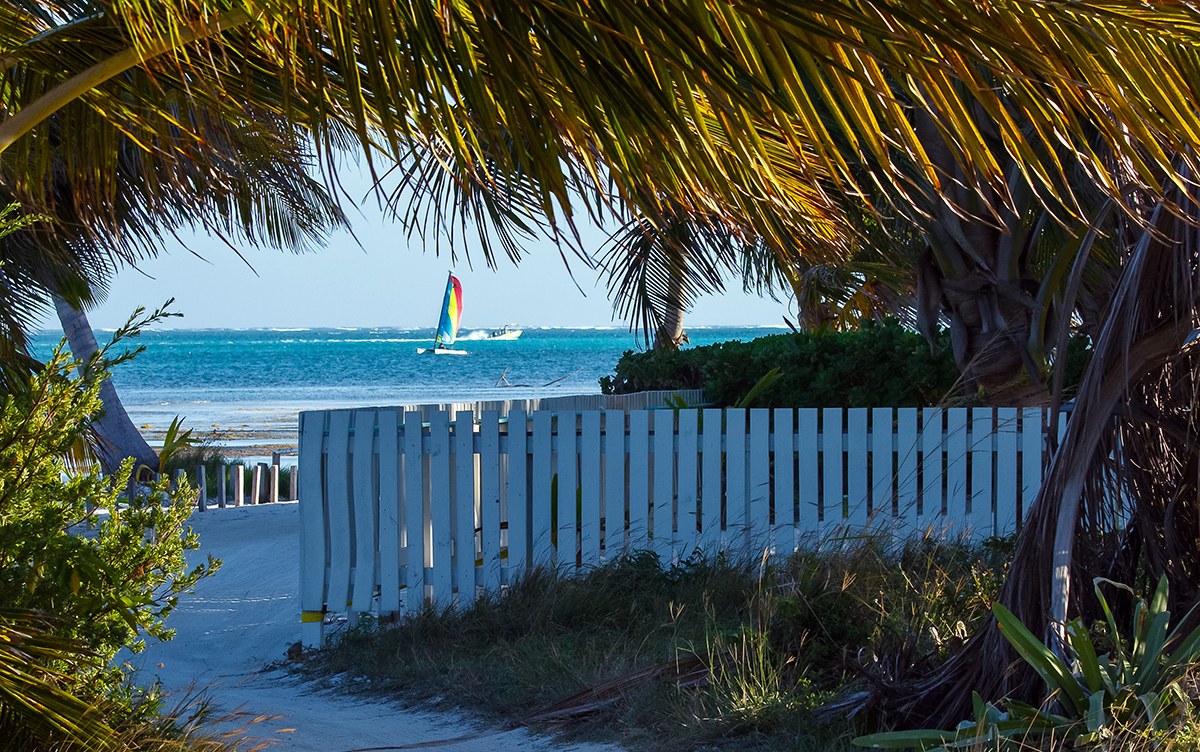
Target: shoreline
[237,444]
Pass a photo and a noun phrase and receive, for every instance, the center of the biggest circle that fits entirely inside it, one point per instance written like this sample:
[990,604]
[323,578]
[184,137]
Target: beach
[232,639]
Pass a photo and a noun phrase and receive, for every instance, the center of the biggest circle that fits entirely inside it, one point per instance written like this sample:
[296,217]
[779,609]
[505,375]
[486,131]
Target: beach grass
[708,652]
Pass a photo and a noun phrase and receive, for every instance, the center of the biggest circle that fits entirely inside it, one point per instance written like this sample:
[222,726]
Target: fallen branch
[564,378]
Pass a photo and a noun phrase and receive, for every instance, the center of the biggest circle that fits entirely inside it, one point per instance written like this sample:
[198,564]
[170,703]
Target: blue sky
[387,281]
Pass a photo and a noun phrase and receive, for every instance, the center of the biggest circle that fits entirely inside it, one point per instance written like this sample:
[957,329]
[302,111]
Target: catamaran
[447,331]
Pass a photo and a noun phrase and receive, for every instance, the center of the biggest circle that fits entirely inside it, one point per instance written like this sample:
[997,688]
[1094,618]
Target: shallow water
[250,384]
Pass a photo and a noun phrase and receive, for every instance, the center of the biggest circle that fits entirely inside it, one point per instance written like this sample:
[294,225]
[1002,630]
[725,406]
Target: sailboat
[447,331]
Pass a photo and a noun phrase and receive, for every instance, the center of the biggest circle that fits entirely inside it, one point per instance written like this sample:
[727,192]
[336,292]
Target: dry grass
[775,637]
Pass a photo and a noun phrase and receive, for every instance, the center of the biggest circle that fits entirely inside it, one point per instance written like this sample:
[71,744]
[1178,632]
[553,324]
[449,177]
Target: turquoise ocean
[252,383]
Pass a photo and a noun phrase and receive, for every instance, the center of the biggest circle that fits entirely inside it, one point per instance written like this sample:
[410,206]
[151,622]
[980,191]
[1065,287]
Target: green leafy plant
[880,364]
[32,701]
[766,382]
[175,442]
[1135,687]
[104,569]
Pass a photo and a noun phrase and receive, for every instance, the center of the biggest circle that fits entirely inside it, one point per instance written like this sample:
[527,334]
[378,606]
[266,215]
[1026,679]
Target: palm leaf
[32,702]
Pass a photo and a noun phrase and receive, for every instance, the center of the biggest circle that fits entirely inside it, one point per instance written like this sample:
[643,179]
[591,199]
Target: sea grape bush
[880,364]
[106,569]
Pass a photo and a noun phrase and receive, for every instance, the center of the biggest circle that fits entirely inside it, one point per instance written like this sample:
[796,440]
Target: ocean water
[252,383]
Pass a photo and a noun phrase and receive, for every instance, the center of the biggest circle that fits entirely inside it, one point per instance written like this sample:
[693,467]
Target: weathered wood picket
[399,508]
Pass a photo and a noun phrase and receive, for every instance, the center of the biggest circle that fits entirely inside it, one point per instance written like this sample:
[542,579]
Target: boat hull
[506,335]
[439,351]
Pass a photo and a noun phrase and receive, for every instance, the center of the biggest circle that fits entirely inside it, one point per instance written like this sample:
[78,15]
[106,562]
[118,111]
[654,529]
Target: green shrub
[880,364]
[1101,700]
[105,569]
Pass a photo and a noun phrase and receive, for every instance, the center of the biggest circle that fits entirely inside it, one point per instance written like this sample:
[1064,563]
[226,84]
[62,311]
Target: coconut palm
[719,109]
[252,188]
[35,711]
[753,117]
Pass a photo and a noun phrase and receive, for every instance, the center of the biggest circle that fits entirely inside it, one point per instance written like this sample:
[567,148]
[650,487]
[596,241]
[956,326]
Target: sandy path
[247,615]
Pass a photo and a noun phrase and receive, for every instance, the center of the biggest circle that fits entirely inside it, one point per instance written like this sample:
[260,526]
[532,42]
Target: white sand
[247,615]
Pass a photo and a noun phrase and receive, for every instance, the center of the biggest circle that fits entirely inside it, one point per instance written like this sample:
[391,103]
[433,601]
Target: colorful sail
[447,329]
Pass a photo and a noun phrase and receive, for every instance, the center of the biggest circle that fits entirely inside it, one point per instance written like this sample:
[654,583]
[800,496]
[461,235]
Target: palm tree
[35,711]
[252,186]
[762,119]
[1121,490]
[720,110]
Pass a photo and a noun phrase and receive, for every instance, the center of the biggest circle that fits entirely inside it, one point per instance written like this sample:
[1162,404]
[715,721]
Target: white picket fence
[398,509]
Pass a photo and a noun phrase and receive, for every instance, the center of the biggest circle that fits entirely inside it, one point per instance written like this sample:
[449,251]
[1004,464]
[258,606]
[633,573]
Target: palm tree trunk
[119,438]
[670,334]
[1154,306]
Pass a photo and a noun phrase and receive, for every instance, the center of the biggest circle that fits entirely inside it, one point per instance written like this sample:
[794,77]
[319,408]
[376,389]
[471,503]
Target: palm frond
[33,706]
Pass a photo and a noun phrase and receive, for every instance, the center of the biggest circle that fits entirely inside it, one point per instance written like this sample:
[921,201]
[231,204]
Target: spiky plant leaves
[1054,672]
[1081,643]
[174,442]
[726,110]
[919,739]
[33,705]
[1135,687]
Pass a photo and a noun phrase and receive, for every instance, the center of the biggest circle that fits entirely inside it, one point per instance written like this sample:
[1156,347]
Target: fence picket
[518,494]
[589,482]
[883,473]
[542,551]
[390,518]
[365,510]
[956,468]
[639,478]
[783,511]
[981,518]
[568,492]
[440,474]
[1006,469]
[736,529]
[758,498]
[662,505]
[489,498]
[687,520]
[709,538]
[933,502]
[906,461]
[464,512]
[808,500]
[415,535]
[339,511]
[614,484]
[1033,449]
[857,478]
[312,530]
[832,510]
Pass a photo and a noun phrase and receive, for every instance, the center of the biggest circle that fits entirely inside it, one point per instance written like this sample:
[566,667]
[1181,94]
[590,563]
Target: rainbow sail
[447,329]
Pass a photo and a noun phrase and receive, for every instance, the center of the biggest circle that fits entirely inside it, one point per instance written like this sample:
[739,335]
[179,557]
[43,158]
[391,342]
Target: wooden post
[202,484]
[256,484]
[239,484]
[221,485]
[294,483]
[264,480]
[273,483]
